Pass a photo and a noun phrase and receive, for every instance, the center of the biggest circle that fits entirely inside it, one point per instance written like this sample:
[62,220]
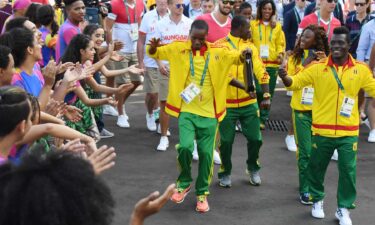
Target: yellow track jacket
[328,97]
[221,60]
[276,45]
[237,97]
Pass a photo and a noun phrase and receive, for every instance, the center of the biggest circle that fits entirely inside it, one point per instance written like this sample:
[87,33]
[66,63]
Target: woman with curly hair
[312,46]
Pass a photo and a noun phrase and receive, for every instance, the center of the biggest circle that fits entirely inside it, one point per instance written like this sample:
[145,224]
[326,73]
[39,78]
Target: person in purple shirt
[76,11]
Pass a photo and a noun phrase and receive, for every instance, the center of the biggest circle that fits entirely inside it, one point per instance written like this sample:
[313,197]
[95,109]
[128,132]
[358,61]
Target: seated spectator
[19,9]
[6,66]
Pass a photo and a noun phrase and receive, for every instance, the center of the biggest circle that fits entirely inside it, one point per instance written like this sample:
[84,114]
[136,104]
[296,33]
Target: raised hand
[74,146]
[73,113]
[49,73]
[151,205]
[102,159]
[135,69]
[61,68]
[118,45]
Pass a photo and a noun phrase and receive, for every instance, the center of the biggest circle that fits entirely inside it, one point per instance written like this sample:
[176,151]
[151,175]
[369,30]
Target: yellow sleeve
[368,82]
[231,56]
[303,78]
[162,53]
[291,66]
[258,66]
[281,44]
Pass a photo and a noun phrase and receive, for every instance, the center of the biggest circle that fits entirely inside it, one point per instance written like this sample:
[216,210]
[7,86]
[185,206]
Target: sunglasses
[360,4]
[179,5]
[226,2]
[330,1]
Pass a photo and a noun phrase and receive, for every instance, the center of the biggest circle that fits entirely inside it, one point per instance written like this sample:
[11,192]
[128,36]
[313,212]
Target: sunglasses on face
[180,5]
[330,1]
[360,4]
[226,2]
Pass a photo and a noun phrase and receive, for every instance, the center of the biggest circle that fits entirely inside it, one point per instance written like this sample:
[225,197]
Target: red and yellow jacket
[328,97]
[237,97]
[221,60]
[276,44]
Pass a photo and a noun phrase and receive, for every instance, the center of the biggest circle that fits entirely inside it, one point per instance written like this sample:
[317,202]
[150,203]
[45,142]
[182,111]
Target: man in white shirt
[193,9]
[122,24]
[151,76]
[174,27]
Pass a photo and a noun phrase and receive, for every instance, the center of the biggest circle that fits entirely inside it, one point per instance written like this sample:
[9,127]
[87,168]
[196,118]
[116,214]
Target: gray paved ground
[141,170]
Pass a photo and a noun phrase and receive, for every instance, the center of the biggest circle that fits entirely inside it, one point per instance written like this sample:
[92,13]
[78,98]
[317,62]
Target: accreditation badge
[134,32]
[264,51]
[190,92]
[347,106]
[307,96]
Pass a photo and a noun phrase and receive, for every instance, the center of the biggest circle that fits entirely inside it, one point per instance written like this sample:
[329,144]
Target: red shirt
[119,9]
[216,30]
[43,2]
[313,19]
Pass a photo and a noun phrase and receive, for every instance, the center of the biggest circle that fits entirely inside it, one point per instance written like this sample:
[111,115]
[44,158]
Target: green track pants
[302,133]
[204,130]
[321,153]
[249,119]
[265,113]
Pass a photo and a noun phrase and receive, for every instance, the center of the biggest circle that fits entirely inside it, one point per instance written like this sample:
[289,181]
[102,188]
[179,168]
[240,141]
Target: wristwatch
[266,95]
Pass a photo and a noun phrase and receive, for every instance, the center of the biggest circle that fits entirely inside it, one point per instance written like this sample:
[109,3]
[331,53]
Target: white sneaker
[290,143]
[159,131]
[371,136]
[109,110]
[289,93]
[195,152]
[217,159]
[150,119]
[122,121]
[367,123]
[317,210]
[335,156]
[164,144]
[343,215]
[106,134]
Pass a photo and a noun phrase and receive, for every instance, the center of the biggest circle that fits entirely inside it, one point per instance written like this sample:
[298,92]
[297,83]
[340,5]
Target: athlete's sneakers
[163,144]
[179,196]
[109,110]
[225,181]
[106,134]
[159,131]
[150,120]
[371,136]
[254,177]
[202,204]
[305,199]
[290,143]
[317,210]
[335,155]
[122,121]
[343,215]
[217,159]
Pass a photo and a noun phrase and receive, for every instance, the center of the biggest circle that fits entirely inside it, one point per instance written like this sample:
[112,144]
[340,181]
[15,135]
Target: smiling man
[337,81]
[197,96]
[76,11]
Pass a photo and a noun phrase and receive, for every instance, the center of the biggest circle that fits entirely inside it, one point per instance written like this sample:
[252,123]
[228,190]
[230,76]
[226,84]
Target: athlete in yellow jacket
[337,81]
[197,96]
[270,42]
[241,106]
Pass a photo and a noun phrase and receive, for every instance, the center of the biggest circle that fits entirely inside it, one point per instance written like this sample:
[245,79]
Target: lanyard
[297,16]
[135,11]
[204,69]
[231,42]
[260,33]
[329,23]
[337,78]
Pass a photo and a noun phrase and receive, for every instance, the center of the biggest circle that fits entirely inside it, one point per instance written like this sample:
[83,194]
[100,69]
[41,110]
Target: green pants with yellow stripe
[303,135]
[250,124]
[265,113]
[204,130]
[321,153]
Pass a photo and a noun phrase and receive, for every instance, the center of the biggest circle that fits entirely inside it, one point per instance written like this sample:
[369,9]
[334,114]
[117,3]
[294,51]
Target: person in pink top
[218,21]
[19,9]
[322,17]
